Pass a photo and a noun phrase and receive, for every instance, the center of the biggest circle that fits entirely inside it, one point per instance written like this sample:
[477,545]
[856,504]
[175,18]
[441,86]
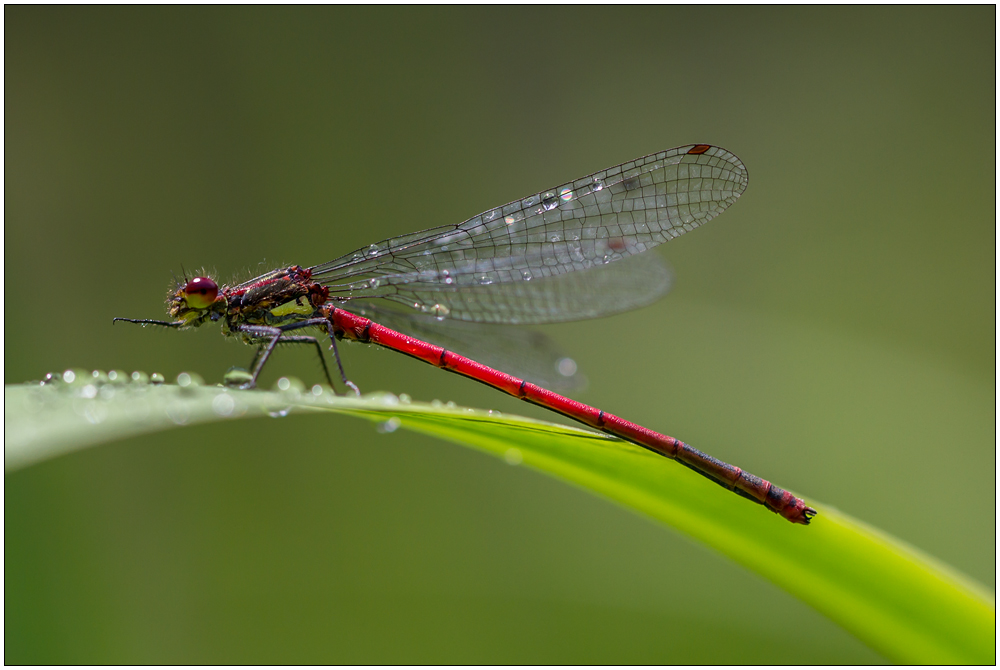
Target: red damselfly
[572,252]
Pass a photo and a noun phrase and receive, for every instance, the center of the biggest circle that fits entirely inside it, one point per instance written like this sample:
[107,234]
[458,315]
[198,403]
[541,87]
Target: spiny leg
[256,356]
[336,356]
[276,335]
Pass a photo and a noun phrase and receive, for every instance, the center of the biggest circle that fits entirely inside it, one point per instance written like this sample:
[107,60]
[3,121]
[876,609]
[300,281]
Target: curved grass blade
[901,602]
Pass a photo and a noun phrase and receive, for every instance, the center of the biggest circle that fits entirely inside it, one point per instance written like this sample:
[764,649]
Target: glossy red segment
[481,373]
[777,500]
[585,414]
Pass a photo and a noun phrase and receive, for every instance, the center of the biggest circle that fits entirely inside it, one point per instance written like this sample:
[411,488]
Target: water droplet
[526,275]
[374,283]
[530,200]
[405,399]
[223,404]
[513,456]
[566,367]
[52,377]
[113,375]
[280,414]
[291,387]
[550,202]
[566,194]
[450,404]
[389,426]
[69,376]
[183,380]
[100,376]
[358,255]
[107,392]
[554,238]
[89,391]
[178,413]
[156,378]
[237,377]
[140,377]
[436,403]
[373,250]
[485,280]
[493,413]
[317,390]
[513,218]
[440,311]
[598,184]
[385,398]
[605,259]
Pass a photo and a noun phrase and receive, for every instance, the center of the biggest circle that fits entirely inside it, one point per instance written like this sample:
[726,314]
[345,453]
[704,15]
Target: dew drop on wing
[566,367]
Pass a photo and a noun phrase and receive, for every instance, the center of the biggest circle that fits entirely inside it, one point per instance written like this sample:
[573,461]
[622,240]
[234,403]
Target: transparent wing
[597,291]
[503,265]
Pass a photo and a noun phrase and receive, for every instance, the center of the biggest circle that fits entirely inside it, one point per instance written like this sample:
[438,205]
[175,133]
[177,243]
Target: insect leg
[336,355]
[308,339]
[263,351]
[276,334]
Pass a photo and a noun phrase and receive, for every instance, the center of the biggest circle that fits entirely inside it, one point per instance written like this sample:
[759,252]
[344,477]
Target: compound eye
[200,292]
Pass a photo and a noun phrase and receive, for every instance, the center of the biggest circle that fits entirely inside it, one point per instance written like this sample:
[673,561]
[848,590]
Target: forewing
[506,252]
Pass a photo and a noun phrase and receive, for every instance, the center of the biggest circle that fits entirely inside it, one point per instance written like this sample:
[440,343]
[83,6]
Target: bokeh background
[834,331]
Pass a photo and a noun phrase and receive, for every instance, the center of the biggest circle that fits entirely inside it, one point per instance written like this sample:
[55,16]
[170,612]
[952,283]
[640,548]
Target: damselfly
[572,252]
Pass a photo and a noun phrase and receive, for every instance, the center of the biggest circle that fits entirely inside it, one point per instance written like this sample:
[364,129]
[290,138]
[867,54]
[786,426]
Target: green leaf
[901,602]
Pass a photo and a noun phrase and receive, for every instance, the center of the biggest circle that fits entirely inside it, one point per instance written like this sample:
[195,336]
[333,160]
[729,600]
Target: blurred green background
[834,331]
